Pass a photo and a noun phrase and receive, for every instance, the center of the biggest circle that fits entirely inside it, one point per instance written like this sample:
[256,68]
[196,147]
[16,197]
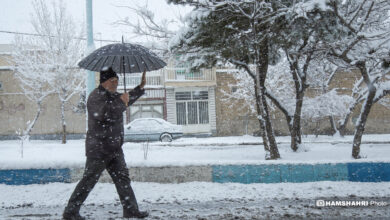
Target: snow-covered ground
[197,151]
[200,200]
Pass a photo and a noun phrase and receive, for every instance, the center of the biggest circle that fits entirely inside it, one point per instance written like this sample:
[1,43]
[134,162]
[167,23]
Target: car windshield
[163,122]
[145,123]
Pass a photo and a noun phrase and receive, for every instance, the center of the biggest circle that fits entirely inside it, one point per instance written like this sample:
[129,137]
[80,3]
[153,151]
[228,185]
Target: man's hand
[143,80]
[125,98]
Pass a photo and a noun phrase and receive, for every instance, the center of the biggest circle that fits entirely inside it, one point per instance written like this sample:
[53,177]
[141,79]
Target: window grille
[192,107]
[181,113]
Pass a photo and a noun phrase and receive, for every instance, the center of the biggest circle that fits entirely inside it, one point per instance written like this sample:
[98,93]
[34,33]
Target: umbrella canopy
[123,58]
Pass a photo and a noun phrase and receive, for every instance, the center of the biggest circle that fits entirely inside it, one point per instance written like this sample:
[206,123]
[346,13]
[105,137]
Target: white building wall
[171,105]
[198,128]
[212,114]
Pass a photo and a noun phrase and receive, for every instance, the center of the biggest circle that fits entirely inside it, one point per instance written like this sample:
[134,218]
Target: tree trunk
[333,125]
[359,129]
[283,110]
[366,108]
[63,123]
[343,126]
[300,87]
[265,140]
[261,61]
[296,138]
[64,134]
[274,152]
[261,72]
[31,125]
[267,134]
[262,127]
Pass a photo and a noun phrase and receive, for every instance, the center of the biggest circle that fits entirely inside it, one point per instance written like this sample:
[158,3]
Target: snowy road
[200,200]
[277,208]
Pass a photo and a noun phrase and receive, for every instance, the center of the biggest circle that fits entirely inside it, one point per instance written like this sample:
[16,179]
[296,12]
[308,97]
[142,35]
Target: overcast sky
[16,14]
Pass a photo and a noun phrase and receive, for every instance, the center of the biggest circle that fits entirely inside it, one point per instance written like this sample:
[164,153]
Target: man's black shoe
[139,214]
[72,216]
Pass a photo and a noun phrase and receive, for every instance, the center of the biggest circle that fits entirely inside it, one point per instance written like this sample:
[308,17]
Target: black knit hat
[106,73]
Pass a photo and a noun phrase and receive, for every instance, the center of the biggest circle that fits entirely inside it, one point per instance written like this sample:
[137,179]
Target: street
[200,200]
[270,208]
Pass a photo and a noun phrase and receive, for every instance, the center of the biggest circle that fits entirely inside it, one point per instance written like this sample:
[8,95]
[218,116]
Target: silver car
[152,129]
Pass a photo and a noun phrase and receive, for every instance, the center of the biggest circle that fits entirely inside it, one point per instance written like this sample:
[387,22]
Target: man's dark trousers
[116,167]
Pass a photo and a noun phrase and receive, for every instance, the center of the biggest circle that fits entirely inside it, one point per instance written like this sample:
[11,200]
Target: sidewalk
[217,159]
[251,140]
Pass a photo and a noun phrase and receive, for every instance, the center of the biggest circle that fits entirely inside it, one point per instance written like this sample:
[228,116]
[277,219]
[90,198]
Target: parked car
[152,129]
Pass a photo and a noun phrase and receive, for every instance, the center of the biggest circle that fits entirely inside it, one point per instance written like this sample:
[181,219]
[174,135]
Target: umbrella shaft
[123,71]
[124,81]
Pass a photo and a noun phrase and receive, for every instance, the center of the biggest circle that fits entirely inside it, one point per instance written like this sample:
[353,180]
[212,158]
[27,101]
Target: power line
[40,35]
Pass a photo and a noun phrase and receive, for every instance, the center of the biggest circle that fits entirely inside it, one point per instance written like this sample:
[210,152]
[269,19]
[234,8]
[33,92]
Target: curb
[298,173]
[34,176]
[272,173]
[261,143]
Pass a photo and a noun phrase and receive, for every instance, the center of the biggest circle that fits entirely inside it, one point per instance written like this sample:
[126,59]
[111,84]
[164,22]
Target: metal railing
[156,79]
[154,94]
[133,80]
[184,74]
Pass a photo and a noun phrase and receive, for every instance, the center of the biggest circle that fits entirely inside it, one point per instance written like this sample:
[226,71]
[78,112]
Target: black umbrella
[123,58]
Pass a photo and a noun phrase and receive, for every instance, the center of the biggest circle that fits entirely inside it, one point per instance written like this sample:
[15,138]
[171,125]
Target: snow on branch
[156,31]
[327,104]
[47,62]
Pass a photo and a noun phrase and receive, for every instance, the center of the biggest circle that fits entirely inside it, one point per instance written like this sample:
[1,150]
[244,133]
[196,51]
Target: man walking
[104,145]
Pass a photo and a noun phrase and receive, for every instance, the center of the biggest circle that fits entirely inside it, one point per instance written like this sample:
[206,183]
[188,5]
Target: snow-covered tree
[363,45]
[31,74]
[280,89]
[259,33]
[307,25]
[241,33]
[150,28]
[57,47]
[328,101]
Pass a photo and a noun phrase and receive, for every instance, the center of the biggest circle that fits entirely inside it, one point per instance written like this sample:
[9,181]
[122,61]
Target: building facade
[16,110]
[179,96]
[233,118]
[193,99]
[173,93]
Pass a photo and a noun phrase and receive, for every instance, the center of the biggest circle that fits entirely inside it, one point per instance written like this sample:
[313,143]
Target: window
[134,109]
[192,107]
[183,96]
[180,74]
[146,111]
[181,113]
[200,95]
[203,112]
[146,107]
[192,113]
[153,124]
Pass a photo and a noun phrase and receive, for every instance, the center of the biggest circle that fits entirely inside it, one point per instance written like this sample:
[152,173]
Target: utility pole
[90,47]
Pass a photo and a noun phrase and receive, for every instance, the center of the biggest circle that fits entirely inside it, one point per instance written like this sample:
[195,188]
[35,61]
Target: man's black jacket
[105,122]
